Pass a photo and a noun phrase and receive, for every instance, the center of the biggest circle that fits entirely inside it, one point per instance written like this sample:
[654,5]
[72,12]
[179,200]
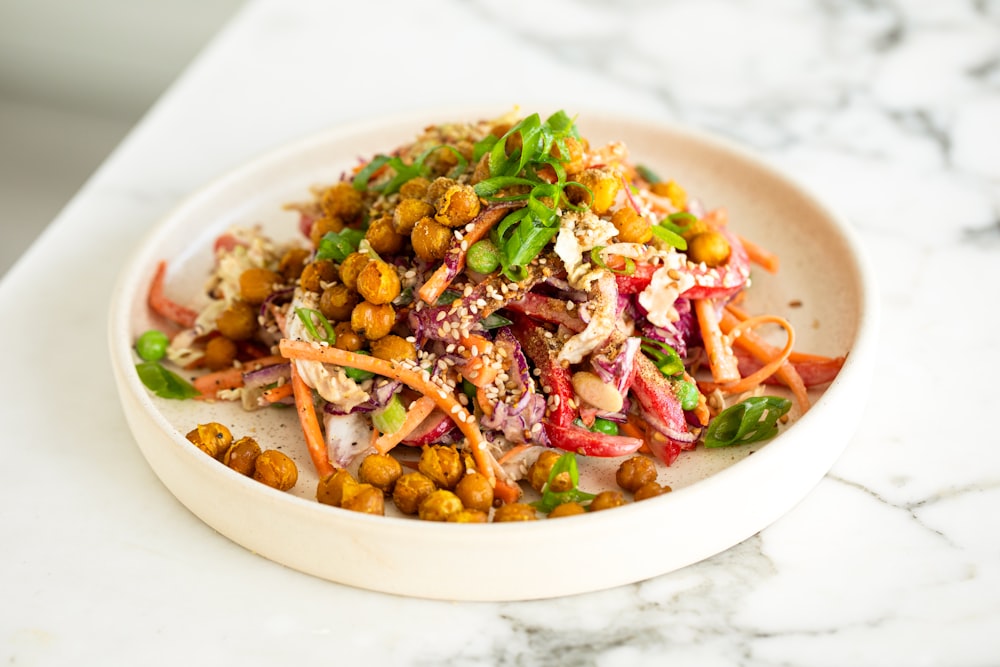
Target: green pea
[152,345]
[357,374]
[687,394]
[483,257]
[605,426]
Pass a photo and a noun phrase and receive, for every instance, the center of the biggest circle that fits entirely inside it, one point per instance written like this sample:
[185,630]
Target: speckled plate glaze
[720,497]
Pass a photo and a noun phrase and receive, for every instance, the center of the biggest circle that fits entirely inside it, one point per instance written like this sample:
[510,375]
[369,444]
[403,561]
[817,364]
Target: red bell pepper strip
[169,309]
[580,440]
[548,309]
[710,283]
[555,379]
[661,408]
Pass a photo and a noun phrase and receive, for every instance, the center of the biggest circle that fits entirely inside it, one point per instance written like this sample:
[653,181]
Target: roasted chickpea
[469,516]
[514,512]
[410,490]
[323,226]
[378,282]
[351,267]
[342,201]
[346,338]
[573,162]
[242,455]
[314,274]
[632,227]
[393,347]
[439,505]
[337,302]
[538,473]
[606,500]
[475,492]
[415,188]
[212,438]
[408,211]
[634,472]
[650,490]
[567,509]
[332,488]
[442,464]
[256,284]
[383,238]
[672,191]
[437,188]
[482,170]
[709,247]
[604,185]
[430,239]
[457,206]
[219,353]
[291,264]
[275,470]
[238,322]
[372,321]
[364,498]
[381,471]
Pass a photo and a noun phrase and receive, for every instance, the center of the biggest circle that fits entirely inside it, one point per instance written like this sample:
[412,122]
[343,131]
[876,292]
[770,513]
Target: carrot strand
[721,359]
[315,441]
[421,408]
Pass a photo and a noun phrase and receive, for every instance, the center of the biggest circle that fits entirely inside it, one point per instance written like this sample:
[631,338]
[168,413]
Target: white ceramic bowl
[720,497]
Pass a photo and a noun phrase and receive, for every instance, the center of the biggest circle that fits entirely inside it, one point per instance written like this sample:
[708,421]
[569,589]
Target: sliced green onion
[552,499]
[164,383]
[595,257]
[306,315]
[152,345]
[390,418]
[647,174]
[669,237]
[338,245]
[357,374]
[361,179]
[605,426]
[483,256]
[664,356]
[752,420]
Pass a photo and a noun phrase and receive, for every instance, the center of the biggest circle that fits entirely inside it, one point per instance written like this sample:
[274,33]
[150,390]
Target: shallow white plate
[721,497]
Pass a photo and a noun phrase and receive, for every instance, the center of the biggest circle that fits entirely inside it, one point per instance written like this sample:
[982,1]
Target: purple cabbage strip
[378,396]
[681,333]
[617,371]
[529,409]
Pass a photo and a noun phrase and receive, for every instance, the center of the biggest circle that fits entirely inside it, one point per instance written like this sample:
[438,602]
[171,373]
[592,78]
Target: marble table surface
[889,110]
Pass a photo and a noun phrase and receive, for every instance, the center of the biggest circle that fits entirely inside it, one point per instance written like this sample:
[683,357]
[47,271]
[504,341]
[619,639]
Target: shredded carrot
[277,393]
[701,411]
[760,256]
[807,358]
[632,430]
[310,425]
[231,378]
[772,365]
[717,217]
[411,377]
[477,369]
[721,359]
[763,351]
[161,305]
[417,413]
[439,281]
[511,453]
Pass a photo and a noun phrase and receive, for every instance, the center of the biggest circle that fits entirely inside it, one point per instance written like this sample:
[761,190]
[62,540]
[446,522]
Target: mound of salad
[495,293]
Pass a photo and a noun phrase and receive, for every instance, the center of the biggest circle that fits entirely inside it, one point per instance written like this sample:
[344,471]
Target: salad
[497,293]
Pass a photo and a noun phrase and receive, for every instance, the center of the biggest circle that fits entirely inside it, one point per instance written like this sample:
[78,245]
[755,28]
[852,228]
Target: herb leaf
[164,383]
[752,420]
[552,499]
[338,245]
